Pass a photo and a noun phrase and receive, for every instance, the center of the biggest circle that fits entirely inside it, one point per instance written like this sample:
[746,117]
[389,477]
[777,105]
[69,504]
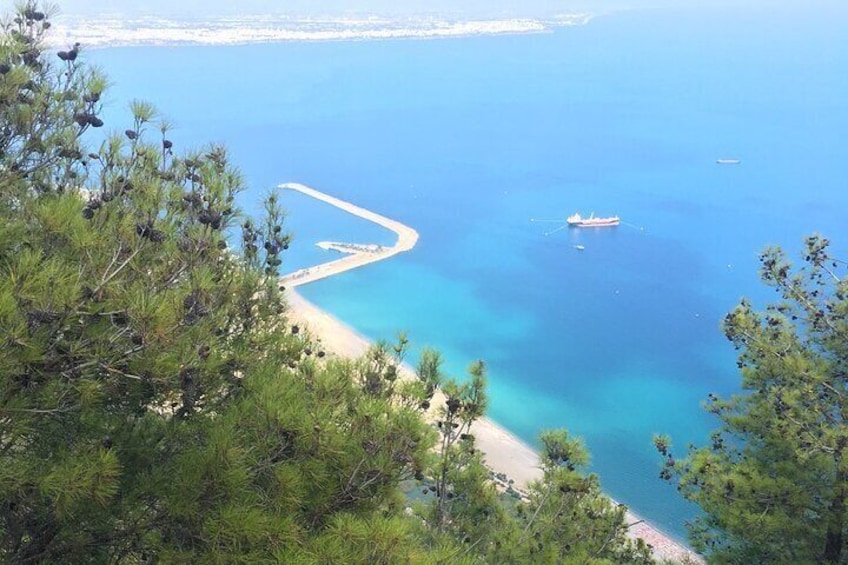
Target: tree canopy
[773,482]
[154,403]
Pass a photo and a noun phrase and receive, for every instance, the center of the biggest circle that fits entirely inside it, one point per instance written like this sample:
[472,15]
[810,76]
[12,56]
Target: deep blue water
[468,139]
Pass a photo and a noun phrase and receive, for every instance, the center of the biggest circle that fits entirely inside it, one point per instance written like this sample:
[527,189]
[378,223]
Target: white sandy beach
[504,452]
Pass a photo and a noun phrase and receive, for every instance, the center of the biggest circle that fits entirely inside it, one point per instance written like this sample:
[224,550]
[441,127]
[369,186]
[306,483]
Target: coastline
[113,31]
[504,452]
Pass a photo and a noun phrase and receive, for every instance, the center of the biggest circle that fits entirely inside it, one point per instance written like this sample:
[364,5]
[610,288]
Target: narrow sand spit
[504,452]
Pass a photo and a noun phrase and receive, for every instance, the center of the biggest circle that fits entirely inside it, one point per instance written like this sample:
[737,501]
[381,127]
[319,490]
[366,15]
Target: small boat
[579,247]
[728,161]
[576,220]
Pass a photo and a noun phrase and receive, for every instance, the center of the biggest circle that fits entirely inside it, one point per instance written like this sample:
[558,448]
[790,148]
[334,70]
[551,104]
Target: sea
[486,144]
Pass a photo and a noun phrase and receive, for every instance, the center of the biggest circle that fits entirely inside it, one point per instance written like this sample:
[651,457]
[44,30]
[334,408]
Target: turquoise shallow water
[468,139]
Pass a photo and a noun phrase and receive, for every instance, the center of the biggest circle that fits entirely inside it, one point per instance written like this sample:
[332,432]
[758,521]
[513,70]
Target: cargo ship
[578,221]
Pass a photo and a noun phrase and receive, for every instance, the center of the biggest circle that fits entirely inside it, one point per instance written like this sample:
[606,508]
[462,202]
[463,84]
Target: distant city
[201,9]
[113,31]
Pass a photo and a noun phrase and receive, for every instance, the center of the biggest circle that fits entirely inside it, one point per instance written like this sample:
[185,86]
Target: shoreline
[504,452]
[137,31]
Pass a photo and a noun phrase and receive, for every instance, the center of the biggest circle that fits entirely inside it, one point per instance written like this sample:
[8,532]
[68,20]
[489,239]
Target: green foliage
[773,481]
[153,404]
[565,517]
[458,463]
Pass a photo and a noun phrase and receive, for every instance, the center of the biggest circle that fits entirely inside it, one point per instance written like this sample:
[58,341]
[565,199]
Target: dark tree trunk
[836,519]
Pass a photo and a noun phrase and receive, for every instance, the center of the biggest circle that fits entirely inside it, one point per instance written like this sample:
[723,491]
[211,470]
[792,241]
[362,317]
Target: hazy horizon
[463,8]
[475,8]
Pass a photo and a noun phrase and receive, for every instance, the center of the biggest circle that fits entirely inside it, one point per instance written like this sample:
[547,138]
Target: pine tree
[774,480]
[566,518]
[155,404]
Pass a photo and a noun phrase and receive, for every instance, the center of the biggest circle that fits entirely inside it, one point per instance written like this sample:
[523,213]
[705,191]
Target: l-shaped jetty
[356,257]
